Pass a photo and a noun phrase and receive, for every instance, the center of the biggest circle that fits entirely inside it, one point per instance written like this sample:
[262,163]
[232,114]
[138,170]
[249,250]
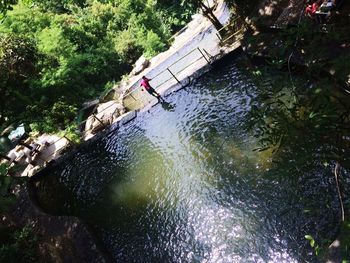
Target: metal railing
[172,74]
[236,27]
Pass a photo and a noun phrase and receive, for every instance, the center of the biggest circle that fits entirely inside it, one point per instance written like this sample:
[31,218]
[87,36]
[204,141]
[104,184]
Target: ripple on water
[184,185]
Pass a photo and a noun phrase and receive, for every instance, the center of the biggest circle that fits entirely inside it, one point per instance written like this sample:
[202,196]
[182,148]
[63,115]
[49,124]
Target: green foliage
[6,5]
[6,200]
[24,21]
[286,110]
[16,245]
[52,42]
[18,57]
[57,6]
[153,44]
[108,86]
[174,13]
[313,244]
[328,46]
[72,133]
[127,46]
[57,117]
[20,246]
[68,50]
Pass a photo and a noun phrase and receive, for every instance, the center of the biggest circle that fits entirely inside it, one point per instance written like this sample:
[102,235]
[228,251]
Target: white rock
[106,114]
[140,65]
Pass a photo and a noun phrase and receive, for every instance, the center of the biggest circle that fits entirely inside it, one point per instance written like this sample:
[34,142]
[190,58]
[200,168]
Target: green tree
[6,199]
[18,58]
[18,245]
[175,13]
[6,5]
[58,6]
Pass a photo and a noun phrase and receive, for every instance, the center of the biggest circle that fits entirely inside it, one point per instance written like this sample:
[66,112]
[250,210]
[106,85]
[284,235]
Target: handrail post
[70,141]
[203,55]
[98,119]
[174,76]
[208,54]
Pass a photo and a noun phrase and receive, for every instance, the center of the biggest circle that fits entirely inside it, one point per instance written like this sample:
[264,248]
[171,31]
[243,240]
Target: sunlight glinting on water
[183,184]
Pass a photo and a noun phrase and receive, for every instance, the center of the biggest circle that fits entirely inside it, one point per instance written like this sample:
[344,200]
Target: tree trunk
[208,13]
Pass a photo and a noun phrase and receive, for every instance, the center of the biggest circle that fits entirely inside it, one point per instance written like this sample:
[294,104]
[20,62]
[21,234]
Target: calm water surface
[182,183]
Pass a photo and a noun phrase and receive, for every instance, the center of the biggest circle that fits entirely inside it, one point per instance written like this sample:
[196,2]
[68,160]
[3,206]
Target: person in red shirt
[145,84]
[311,9]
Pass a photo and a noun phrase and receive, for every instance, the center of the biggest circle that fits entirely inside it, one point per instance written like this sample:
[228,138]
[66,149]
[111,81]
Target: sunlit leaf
[312,243]
[317,91]
[309,237]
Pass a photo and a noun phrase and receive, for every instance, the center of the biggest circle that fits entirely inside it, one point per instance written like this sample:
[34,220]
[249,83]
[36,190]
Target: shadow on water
[183,184]
[167,105]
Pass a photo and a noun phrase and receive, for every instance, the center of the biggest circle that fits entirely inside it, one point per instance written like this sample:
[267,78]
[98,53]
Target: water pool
[181,183]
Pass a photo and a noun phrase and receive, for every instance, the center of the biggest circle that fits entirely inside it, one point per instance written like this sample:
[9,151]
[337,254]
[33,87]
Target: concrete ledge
[148,106]
[123,119]
[128,117]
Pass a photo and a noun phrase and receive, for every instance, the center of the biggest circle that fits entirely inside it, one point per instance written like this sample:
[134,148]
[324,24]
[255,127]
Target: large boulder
[267,13]
[106,115]
[110,95]
[140,65]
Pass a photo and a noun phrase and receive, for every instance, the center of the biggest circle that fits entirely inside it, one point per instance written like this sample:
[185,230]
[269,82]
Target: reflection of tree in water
[306,127]
[315,114]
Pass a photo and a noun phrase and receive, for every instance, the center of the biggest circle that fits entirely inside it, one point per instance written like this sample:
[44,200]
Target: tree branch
[336,175]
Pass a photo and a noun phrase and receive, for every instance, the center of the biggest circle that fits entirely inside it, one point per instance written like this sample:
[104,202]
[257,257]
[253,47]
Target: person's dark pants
[153,92]
[321,18]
